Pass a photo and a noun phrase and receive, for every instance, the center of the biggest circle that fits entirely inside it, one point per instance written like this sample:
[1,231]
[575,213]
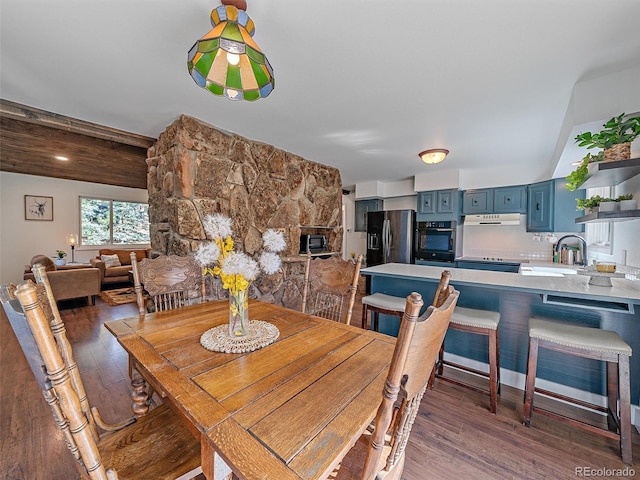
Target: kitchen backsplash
[508,242]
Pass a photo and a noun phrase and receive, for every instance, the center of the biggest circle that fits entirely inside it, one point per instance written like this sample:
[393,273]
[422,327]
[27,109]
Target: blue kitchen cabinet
[510,199]
[362,208]
[427,202]
[552,208]
[477,201]
[495,200]
[439,205]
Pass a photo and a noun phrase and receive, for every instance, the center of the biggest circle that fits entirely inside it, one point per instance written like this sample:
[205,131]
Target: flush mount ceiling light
[227,61]
[434,155]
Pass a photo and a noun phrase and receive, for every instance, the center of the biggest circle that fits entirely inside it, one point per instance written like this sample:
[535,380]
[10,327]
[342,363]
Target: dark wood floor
[454,435]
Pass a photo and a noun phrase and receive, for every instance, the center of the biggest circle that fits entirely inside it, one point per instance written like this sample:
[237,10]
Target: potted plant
[627,202]
[589,205]
[579,175]
[615,139]
[59,260]
[608,205]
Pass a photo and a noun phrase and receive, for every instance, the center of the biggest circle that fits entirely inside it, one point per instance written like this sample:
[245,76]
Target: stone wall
[195,169]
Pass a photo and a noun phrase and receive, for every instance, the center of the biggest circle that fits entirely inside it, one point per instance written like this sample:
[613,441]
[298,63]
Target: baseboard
[517,380]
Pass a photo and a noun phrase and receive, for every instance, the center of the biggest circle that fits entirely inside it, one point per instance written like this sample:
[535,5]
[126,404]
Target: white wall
[408,202]
[21,239]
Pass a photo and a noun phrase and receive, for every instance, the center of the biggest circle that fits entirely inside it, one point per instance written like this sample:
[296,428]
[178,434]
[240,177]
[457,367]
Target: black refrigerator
[390,237]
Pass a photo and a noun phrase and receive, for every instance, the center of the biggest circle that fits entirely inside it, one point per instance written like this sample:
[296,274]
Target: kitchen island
[517,297]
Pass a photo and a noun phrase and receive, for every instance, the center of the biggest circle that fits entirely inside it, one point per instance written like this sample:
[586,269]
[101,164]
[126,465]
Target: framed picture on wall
[38,207]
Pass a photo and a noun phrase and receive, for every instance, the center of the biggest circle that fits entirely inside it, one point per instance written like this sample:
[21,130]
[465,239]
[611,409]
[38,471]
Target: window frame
[589,231]
[111,229]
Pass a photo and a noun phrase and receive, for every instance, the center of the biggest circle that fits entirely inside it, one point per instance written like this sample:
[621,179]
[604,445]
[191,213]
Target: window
[112,222]
[598,234]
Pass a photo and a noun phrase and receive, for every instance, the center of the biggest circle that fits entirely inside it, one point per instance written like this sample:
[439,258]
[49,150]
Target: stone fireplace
[195,170]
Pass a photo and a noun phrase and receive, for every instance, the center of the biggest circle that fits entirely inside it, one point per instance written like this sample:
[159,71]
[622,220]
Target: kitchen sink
[539,271]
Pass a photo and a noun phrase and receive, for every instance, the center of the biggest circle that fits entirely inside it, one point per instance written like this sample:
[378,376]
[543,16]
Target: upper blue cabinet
[439,205]
[552,208]
[362,208]
[495,200]
[510,199]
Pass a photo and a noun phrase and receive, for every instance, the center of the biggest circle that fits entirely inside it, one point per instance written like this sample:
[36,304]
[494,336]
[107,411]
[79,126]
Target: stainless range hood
[493,219]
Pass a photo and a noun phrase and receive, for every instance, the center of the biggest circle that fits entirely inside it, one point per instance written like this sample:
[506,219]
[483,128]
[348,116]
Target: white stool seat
[471,317]
[592,343]
[585,338]
[386,302]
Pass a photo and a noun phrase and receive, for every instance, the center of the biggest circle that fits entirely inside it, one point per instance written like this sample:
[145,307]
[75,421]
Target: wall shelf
[618,216]
[602,174]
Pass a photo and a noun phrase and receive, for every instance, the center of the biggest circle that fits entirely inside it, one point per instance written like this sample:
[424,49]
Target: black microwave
[313,243]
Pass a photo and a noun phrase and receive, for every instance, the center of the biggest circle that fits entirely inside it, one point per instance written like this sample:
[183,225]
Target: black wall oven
[437,241]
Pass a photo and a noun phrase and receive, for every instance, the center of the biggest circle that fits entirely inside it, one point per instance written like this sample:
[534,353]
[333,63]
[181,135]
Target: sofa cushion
[110,260]
[122,270]
[45,261]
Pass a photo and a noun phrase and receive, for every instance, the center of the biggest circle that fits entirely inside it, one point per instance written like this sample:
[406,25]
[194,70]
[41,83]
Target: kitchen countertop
[577,286]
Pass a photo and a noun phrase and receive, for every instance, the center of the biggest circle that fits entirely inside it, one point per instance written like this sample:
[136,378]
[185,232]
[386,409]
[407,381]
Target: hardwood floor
[454,435]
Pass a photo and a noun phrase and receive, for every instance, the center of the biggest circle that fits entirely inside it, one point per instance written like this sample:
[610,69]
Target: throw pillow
[110,260]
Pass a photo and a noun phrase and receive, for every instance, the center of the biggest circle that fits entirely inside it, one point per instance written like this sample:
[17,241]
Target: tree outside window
[113,222]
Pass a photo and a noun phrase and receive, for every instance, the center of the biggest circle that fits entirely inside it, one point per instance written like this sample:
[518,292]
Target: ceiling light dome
[433,155]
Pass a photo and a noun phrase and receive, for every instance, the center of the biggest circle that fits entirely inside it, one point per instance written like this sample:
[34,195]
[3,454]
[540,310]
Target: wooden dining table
[290,410]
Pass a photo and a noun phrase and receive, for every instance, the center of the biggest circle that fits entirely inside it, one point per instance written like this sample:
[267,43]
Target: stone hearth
[195,170]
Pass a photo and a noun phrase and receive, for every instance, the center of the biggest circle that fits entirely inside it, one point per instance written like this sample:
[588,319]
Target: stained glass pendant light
[227,61]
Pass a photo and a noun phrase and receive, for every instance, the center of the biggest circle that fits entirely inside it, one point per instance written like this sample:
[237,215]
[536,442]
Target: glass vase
[238,314]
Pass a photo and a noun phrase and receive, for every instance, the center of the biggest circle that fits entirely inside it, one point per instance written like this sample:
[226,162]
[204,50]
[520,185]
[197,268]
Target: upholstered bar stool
[586,342]
[378,303]
[479,322]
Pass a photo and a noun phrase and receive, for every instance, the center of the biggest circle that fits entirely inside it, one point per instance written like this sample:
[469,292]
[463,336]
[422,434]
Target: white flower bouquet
[237,269]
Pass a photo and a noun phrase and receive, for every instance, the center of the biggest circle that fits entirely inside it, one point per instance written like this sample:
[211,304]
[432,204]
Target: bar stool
[586,342]
[480,322]
[378,303]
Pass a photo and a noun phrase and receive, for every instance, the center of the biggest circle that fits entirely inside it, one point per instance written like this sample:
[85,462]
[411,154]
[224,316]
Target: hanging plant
[579,175]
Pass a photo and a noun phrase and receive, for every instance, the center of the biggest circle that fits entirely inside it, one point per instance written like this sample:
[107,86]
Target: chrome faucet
[584,247]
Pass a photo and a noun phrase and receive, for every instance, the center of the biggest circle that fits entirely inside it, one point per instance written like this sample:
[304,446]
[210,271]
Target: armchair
[67,281]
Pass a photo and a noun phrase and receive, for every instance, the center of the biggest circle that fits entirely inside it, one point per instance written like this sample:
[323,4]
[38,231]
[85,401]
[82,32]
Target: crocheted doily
[260,335]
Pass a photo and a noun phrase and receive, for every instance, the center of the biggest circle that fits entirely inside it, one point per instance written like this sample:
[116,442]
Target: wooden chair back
[49,361]
[36,321]
[330,287]
[168,281]
[417,347]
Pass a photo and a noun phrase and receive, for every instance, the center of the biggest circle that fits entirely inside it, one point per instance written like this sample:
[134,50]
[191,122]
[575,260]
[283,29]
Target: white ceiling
[360,85]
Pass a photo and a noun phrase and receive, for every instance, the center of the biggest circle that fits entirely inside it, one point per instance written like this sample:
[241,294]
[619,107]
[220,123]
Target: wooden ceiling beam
[31,138]
[29,114]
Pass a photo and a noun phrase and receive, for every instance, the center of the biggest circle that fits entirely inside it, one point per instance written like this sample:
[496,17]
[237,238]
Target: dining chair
[166,282]
[380,452]
[156,445]
[328,283]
